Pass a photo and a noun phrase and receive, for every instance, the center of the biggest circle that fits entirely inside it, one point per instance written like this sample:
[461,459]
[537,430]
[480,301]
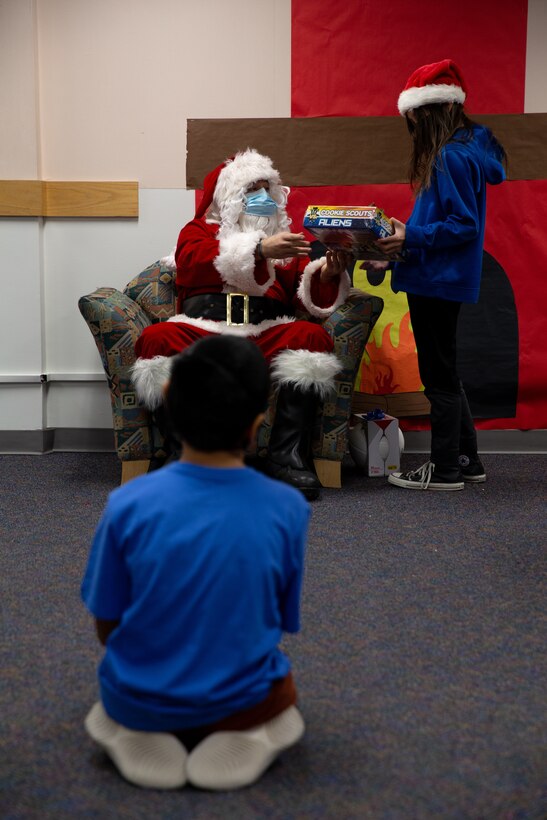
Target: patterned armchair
[116,320]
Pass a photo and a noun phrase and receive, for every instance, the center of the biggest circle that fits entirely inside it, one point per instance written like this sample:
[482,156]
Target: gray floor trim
[101,440]
[490,441]
[61,439]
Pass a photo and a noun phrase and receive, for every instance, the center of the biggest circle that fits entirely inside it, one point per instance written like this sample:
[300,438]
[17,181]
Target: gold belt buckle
[229,297]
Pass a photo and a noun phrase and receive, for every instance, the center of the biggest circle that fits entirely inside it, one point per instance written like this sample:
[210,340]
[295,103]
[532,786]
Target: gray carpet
[421,663]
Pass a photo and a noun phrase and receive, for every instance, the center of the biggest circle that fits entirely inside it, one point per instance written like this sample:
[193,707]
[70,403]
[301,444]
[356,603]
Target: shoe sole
[278,473]
[309,495]
[232,760]
[152,760]
[475,479]
[416,485]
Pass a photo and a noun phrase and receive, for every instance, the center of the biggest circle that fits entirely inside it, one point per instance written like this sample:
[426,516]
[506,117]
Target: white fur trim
[227,215]
[213,326]
[428,94]
[149,377]
[307,370]
[169,260]
[304,290]
[246,168]
[236,263]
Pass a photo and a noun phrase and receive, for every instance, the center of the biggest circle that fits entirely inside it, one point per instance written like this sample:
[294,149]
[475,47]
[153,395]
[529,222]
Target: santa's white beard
[268,224]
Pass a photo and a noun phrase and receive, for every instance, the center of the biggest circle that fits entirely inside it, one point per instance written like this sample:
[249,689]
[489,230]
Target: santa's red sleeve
[317,298]
[196,249]
[205,261]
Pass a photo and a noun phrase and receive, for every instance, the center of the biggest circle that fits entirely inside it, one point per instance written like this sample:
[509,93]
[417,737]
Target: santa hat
[224,190]
[238,173]
[209,185]
[229,180]
[440,82]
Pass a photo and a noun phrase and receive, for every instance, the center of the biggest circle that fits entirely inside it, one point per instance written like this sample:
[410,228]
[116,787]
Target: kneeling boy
[194,573]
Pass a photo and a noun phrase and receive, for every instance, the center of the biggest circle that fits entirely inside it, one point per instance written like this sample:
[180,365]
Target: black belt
[234,308]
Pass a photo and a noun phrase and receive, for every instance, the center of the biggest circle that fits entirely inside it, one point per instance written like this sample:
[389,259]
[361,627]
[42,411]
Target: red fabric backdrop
[353,58]
[354,61]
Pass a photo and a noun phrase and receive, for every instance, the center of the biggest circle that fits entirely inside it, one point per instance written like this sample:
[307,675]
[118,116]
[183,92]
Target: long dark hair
[435,126]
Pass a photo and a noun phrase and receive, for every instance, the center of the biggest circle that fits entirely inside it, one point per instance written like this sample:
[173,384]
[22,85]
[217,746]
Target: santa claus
[241,270]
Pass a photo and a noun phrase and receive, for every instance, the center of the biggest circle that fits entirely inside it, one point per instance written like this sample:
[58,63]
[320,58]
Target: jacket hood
[488,153]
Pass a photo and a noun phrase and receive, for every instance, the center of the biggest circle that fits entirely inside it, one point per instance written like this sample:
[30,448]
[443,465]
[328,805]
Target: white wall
[119,78]
[84,254]
[101,91]
[19,152]
[535,97]
[21,240]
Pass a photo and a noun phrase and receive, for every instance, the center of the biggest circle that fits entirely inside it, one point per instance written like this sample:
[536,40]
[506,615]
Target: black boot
[289,440]
[172,447]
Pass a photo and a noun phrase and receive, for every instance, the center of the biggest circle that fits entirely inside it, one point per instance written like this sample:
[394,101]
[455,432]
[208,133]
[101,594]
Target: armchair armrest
[350,327]
[116,321]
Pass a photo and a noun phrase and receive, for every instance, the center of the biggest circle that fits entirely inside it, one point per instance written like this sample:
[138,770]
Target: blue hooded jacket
[445,232]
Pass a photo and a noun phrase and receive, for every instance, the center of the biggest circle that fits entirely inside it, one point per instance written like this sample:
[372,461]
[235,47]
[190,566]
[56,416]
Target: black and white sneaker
[424,478]
[472,469]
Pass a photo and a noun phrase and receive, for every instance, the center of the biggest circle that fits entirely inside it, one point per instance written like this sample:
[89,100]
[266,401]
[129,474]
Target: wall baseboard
[101,440]
[60,439]
[490,441]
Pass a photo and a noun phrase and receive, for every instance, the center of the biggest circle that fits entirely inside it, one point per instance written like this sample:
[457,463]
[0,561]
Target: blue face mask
[259,203]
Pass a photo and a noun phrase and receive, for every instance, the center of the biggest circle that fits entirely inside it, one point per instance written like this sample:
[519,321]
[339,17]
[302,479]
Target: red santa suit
[215,257]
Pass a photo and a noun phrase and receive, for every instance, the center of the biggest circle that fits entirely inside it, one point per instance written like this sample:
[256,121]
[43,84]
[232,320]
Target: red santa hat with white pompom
[440,82]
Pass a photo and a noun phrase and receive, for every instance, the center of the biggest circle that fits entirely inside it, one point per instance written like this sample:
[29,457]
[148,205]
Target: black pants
[434,323]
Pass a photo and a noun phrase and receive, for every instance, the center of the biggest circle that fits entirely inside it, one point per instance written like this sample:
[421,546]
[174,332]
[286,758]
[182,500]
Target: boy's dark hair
[218,386]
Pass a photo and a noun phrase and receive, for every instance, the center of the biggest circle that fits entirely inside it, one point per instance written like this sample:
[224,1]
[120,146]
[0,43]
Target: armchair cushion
[154,290]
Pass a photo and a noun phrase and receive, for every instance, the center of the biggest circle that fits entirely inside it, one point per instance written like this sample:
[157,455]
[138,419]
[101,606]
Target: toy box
[352,228]
[379,450]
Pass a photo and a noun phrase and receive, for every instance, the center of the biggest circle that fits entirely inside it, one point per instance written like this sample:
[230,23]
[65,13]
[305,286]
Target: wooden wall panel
[68,199]
[316,151]
[21,197]
[92,199]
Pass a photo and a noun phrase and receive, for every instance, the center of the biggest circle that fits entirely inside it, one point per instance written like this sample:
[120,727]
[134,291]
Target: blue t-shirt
[203,568]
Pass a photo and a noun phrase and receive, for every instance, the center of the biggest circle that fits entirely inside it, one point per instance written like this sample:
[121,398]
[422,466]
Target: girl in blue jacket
[452,160]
